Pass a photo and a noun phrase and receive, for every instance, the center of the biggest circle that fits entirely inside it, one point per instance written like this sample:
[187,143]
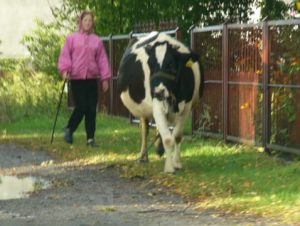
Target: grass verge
[233,178]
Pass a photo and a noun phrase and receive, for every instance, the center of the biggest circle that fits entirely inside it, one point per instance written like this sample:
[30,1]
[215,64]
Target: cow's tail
[160,150]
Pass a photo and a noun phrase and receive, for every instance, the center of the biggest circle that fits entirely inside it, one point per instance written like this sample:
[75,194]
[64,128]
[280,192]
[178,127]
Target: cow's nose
[160,95]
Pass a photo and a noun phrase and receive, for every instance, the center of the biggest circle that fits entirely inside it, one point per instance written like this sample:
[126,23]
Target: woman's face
[87,23]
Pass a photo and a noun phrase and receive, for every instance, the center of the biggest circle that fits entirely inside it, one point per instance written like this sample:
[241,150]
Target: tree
[120,16]
[273,9]
[44,44]
[0,44]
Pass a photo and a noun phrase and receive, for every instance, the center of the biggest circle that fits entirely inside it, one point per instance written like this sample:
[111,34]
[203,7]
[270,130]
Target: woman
[83,60]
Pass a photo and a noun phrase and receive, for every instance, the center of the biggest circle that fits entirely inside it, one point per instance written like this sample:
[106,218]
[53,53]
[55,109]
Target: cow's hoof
[143,160]
[177,166]
[170,170]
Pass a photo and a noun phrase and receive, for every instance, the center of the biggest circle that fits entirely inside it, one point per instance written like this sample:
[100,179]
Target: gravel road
[71,194]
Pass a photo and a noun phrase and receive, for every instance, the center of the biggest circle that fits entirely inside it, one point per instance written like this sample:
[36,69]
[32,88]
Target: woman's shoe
[91,143]
[68,136]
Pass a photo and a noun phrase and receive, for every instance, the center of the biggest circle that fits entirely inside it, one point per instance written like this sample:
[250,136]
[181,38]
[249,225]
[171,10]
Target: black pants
[85,95]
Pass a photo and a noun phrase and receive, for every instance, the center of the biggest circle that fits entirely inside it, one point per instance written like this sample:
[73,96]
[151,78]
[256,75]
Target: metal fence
[252,83]
[110,102]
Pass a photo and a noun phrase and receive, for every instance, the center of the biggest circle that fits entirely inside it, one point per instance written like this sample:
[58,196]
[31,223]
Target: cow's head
[168,64]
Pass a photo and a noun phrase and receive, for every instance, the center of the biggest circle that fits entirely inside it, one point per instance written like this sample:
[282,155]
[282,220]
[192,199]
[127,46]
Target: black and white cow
[160,78]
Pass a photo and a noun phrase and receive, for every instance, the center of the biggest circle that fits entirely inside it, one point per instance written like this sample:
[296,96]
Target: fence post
[266,103]
[225,80]
[178,34]
[111,61]
[130,115]
[192,45]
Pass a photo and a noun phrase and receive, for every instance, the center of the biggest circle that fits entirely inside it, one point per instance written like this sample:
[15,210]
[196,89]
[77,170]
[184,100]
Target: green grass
[231,177]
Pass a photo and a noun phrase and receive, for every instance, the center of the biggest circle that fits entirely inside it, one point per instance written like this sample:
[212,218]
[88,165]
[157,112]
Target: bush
[24,95]
[44,44]
[8,65]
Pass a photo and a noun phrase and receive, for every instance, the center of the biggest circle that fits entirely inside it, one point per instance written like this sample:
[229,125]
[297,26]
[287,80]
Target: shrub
[24,94]
[44,44]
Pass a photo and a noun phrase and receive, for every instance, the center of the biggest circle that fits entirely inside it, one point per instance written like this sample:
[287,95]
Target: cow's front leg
[177,158]
[169,146]
[144,124]
[167,138]
[178,134]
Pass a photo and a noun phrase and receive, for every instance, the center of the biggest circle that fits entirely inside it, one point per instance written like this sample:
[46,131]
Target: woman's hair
[82,15]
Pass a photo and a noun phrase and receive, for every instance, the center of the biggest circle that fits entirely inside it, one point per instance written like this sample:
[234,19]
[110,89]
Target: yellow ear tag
[189,63]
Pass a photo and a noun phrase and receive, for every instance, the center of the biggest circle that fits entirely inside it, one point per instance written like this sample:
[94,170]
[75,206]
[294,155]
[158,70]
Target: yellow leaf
[247,184]
[245,106]
[258,72]
[260,149]
[257,198]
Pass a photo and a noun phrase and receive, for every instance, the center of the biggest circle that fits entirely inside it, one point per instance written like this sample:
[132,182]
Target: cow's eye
[168,64]
[170,67]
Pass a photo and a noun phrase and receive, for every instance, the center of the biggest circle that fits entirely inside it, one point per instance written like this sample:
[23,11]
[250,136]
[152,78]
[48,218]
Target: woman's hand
[105,86]
[66,75]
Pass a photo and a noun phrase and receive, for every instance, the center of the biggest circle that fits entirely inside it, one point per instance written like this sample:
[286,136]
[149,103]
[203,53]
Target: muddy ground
[84,195]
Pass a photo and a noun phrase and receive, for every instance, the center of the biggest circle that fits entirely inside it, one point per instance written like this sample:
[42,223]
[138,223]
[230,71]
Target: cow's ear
[132,41]
[191,59]
[186,62]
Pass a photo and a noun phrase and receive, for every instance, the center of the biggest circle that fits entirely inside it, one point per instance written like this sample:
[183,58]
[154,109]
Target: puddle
[12,187]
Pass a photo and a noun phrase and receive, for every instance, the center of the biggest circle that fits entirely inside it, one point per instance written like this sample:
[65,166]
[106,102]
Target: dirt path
[89,195]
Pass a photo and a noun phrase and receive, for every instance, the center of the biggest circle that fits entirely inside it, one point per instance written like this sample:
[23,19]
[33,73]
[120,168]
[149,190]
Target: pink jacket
[84,57]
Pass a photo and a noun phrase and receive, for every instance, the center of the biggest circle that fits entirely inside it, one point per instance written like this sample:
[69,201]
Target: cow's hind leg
[144,124]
